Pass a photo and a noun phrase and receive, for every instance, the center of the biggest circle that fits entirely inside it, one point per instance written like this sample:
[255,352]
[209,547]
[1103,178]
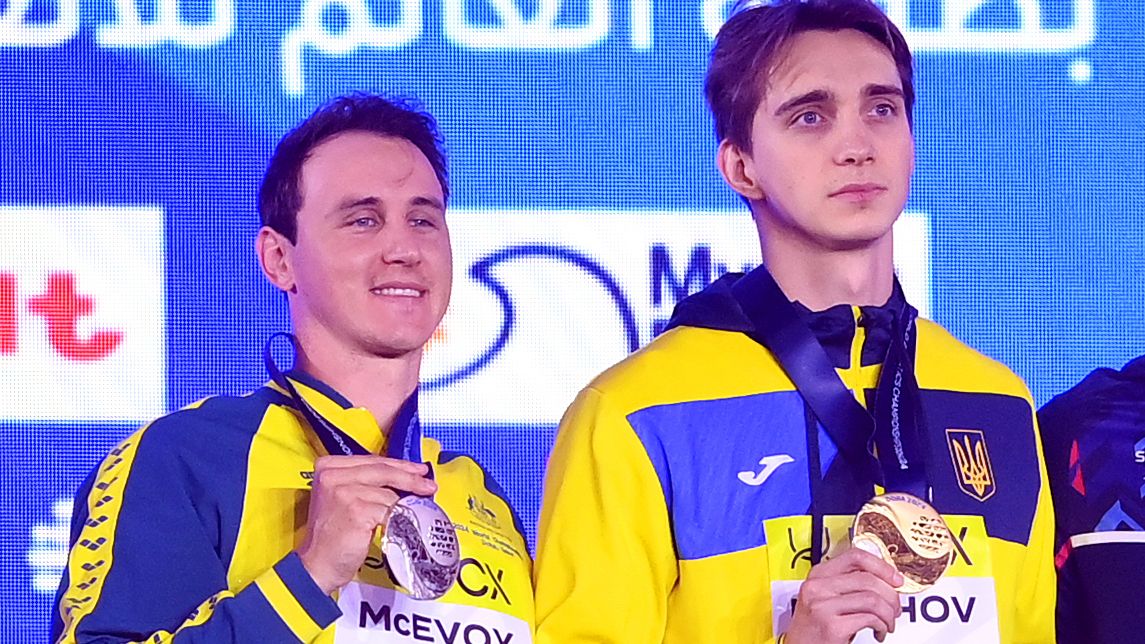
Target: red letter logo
[61,307]
[9,337]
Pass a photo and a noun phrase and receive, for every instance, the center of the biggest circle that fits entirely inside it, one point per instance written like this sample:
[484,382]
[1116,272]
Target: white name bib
[955,610]
[373,615]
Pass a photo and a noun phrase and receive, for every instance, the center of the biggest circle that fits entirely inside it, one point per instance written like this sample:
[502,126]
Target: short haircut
[280,195]
[748,47]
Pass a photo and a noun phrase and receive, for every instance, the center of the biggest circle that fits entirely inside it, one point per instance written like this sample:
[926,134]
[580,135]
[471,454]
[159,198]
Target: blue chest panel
[983,459]
[728,465]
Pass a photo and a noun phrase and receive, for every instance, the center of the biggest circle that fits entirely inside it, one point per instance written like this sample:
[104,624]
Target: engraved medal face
[421,548]
[907,533]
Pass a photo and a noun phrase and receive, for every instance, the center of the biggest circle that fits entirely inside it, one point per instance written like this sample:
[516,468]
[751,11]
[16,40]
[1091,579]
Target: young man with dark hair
[313,509]
[1094,438]
[703,489]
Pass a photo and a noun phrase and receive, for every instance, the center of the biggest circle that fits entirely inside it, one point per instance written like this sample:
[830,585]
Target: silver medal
[421,549]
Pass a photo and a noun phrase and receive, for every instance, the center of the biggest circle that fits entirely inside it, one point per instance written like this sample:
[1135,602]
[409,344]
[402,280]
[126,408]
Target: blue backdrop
[131,145]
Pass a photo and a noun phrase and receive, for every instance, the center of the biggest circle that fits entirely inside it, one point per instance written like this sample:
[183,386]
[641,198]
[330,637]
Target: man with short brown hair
[313,509]
[702,489]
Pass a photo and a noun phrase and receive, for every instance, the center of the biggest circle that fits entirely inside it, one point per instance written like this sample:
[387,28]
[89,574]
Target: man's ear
[738,170]
[275,256]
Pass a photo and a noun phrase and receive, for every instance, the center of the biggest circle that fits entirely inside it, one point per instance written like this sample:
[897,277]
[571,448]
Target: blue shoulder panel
[179,516]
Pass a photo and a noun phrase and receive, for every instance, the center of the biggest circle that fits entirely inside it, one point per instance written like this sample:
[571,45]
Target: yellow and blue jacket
[679,495]
[186,533]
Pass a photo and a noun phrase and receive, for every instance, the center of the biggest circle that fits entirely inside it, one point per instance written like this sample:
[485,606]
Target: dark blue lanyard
[404,441]
[894,427]
[898,412]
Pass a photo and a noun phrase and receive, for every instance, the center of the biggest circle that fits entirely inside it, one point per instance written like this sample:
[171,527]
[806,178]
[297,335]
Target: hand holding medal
[844,595]
[350,497]
[353,498]
[853,591]
[420,546]
[907,533]
[355,493]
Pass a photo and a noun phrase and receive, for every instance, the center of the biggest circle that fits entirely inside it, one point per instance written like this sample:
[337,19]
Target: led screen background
[586,202]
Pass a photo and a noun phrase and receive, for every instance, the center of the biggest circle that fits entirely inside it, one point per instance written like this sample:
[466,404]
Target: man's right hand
[350,498]
[841,597]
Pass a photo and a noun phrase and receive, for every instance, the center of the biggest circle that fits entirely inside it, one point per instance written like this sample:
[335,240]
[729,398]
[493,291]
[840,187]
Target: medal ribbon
[898,412]
[403,442]
[894,428]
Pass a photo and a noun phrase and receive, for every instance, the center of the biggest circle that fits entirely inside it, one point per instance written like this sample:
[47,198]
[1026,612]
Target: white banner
[545,301]
[82,314]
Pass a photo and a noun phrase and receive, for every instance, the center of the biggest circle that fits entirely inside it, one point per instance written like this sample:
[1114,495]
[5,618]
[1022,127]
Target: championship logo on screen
[544,301]
[82,314]
[971,461]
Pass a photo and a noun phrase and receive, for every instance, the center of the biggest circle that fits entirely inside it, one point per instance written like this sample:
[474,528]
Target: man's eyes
[808,118]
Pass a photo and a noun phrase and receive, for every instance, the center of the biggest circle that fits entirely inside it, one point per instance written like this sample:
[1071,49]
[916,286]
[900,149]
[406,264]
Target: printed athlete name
[933,609]
[936,609]
[422,628]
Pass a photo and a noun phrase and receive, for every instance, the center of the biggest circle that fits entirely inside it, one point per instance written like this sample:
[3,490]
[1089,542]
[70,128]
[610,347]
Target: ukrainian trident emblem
[971,462]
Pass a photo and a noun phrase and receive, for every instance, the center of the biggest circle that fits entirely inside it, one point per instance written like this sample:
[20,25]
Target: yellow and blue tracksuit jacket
[186,533]
[678,497]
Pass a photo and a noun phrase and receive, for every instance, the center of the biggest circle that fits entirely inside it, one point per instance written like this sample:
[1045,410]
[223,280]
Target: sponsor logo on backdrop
[82,314]
[554,25]
[47,555]
[544,301]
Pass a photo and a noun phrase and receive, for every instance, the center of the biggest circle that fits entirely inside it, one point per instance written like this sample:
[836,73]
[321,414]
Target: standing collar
[300,376]
[358,422]
[717,307]
[835,328]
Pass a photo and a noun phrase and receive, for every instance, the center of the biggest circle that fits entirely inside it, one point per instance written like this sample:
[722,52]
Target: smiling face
[372,267]
[831,150]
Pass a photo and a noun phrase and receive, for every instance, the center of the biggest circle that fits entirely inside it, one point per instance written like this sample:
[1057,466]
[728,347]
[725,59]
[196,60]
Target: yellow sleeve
[1034,582]
[605,556]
